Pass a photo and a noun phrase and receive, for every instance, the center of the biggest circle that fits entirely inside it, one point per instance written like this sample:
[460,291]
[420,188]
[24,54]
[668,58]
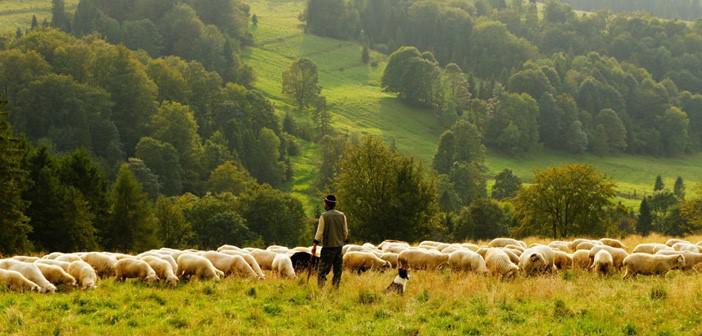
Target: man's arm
[320,231]
[346,230]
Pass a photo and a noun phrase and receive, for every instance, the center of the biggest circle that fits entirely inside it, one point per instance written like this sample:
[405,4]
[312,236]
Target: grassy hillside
[436,303]
[358,105]
[18,13]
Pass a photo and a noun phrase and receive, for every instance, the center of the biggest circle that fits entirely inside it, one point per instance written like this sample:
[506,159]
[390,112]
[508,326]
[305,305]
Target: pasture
[572,302]
[18,13]
[358,105]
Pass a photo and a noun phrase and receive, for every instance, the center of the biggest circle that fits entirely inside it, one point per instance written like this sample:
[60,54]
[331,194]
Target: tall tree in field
[483,219]
[322,117]
[59,19]
[229,177]
[564,201]
[679,188]
[385,194]
[277,217]
[411,74]
[645,220]
[300,82]
[174,229]
[35,23]
[132,224]
[658,185]
[13,178]
[506,185]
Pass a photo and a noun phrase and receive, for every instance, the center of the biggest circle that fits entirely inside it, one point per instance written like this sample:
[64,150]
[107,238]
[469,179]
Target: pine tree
[58,15]
[18,33]
[643,224]
[679,188]
[13,179]
[658,186]
[321,117]
[35,23]
[365,55]
[132,224]
[254,20]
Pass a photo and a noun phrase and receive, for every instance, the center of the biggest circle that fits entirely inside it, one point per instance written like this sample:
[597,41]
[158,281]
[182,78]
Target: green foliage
[679,188]
[301,83]
[229,177]
[506,185]
[398,201]
[13,178]
[514,127]
[275,216]
[565,200]
[58,16]
[132,224]
[645,220]
[215,221]
[174,229]
[483,219]
[147,179]
[411,75]
[333,149]
[658,185]
[468,181]
[163,160]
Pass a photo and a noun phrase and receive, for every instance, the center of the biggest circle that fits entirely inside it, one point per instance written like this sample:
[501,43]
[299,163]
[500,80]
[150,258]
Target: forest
[133,124]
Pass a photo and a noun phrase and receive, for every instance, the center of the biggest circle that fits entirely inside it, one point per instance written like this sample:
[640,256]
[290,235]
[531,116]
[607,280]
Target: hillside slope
[359,105]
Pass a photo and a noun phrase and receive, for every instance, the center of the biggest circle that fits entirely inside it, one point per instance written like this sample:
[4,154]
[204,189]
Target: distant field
[18,13]
[358,105]
[436,303]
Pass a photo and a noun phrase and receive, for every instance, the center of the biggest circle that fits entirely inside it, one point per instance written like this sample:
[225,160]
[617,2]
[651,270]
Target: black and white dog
[399,284]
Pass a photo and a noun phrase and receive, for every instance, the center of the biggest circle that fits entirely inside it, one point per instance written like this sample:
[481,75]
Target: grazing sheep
[581,259]
[61,264]
[29,271]
[533,262]
[103,264]
[560,245]
[228,247]
[277,249]
[587,245]
[497,261]
[472,247]
[52,255]
[164,270]
[685,246]
[650,248]
[364,261]
[283,267]
[613,243]
[603,262]
[393,247]
[56,275]
[467,261]
[133,268]
[264,258]
[25,259]
[68,257]
[161,255]
[17,282]
[513,256]
[647,264]
[230,264]
[386,242]
[672,241]
[391,258]
[83,273]
[249,260]
[562,260]
[618,254]
[419,258]
[691,258]
[452,248]
[502,242]
[190,264]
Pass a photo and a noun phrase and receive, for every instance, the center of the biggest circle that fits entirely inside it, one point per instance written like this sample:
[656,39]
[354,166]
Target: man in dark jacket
[332,234]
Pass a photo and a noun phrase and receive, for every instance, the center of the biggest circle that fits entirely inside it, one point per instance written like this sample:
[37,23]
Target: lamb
[502,242]
[282,265]
[467,261]
[230,264]
[581,259]
[103,264]
[164,270]
[419,258]
[562,260]
[497,261]
[190,264]
[56,275]
[249,260]
[613,243]
[264,258]
[17,282]
[647,264]
[29,271]
[603,262]
[391,258]
[83,273]
[134,268]
[650,248]
[52,262]
[364,261]
[618,254]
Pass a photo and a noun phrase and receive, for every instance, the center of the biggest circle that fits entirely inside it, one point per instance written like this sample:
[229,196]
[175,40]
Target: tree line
[601,83]
[672,9]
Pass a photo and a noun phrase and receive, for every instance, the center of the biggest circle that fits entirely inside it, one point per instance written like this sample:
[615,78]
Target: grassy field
[436,303]
[359,106]
[18,13]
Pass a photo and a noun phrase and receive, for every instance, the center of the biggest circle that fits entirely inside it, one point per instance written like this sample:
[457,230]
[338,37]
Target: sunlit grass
[18,13]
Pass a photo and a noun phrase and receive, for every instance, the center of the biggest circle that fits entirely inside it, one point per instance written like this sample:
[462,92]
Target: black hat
[331,199]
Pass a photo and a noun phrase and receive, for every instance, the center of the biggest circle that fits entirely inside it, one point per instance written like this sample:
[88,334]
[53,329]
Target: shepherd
[332,234]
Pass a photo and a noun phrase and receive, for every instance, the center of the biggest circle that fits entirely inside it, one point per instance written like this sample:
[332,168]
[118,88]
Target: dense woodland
[133,124]
[671,9]
[603,83]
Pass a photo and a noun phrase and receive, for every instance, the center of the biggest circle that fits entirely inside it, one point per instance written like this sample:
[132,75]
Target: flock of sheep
[502,257]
